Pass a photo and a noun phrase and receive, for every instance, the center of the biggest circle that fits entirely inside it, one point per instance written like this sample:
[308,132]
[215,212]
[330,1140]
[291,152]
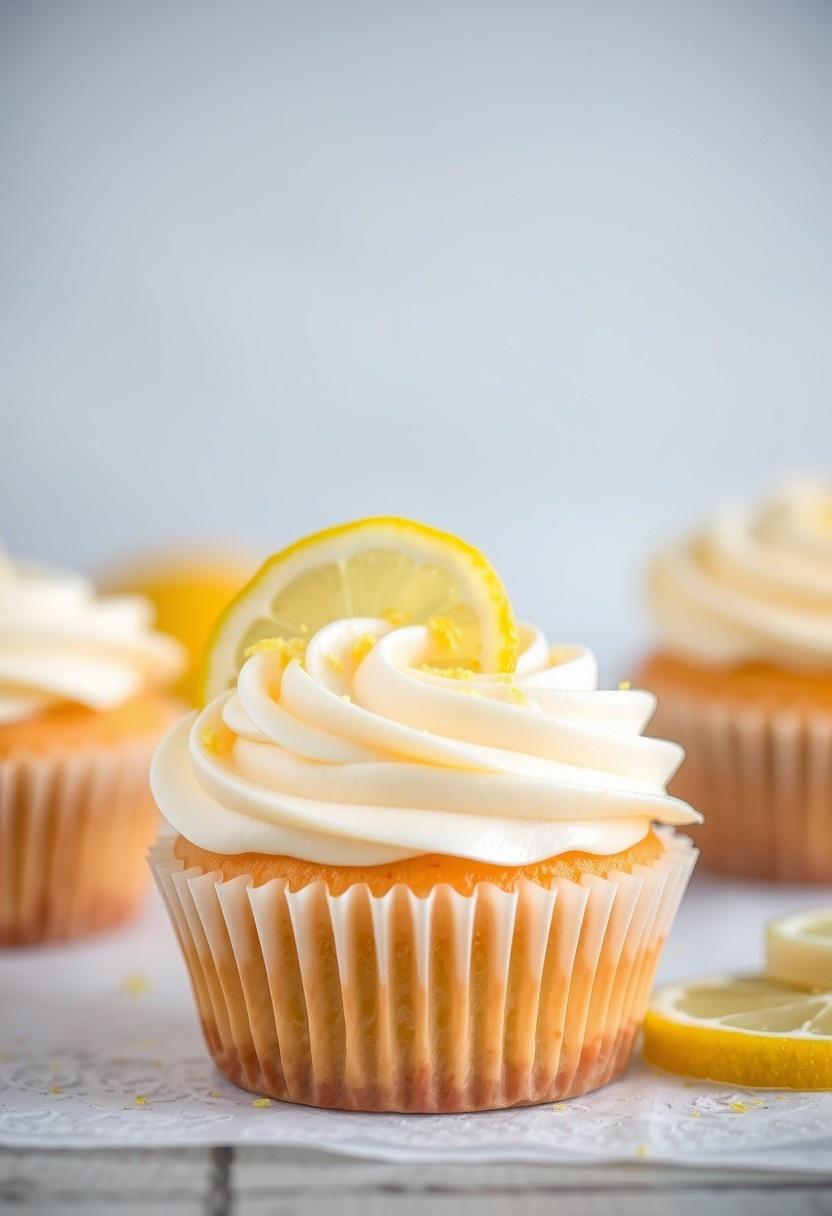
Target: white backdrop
[554,275]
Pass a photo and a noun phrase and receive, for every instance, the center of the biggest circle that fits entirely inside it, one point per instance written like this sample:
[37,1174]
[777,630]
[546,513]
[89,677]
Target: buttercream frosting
[754,584]
[366,752]
[59,641]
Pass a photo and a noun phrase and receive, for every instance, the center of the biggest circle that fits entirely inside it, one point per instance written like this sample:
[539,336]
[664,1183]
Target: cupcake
[743,675]
[82,707]
[418,862]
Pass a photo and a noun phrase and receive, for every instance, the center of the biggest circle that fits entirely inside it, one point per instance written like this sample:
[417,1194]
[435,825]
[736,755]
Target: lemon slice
[746,1030]
[799,948]
[386,567]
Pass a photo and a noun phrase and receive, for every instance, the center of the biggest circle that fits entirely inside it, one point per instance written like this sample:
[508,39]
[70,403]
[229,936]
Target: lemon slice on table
[746,1030]
[385,567]
[799,948]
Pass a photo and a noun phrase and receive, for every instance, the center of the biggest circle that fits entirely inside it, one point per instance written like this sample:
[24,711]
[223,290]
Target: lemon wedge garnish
[799,948]
[386,567]
[749,1031]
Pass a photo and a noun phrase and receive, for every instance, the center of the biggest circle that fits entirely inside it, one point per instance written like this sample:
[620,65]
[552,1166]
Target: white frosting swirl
[60,642]
[354,758]
[753,585]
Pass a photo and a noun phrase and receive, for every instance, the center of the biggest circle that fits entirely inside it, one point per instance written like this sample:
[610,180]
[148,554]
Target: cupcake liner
[442,1003]
[762,779]
[74,832]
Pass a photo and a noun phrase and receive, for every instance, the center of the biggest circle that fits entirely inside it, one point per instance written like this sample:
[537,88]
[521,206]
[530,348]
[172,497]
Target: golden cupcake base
[74,831]
[762,777]
[447,1002]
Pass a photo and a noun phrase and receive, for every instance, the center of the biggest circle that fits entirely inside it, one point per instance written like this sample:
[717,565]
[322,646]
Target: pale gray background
[555,275]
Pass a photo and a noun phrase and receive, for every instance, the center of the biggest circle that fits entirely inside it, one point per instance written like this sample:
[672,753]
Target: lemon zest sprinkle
[642,1150]
[446,632]
[210,739]
[450,673]
[261,1103]
[739,1108]
[56,1089]
[213,1093]
[362,646]
[335,661]
[696,1114]
[294,648]
[624,685]
[559,1106]
[140,1099]
[136,984]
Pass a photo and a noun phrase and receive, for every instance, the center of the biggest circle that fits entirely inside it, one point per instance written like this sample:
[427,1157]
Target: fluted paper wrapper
[442,1003]
[74,833]
[762,779]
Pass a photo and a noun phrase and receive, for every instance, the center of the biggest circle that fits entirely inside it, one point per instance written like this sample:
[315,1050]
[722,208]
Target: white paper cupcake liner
[442,1003]
[763,781]
[74,832]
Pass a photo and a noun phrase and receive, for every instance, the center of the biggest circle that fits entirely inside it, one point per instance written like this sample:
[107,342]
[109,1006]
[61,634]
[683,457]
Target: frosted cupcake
[402,881]
[81,710]
[744,679]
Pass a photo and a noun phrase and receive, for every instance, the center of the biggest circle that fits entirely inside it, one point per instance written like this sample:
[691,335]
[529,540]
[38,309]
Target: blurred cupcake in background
[188,590]
[743,674]
[82,706]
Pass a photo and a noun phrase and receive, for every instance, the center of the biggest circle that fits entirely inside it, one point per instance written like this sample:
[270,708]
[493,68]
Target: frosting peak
[367,752]
[60,642]
[755,584]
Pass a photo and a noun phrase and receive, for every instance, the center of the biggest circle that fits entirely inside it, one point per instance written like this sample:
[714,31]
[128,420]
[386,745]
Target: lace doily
[99,1045]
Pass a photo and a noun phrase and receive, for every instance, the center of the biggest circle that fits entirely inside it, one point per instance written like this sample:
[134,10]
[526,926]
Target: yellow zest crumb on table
[140,1099]
[362,646]
[624,686]
[739,1108]
[696,1114]
[213,1093]
[335,661]
[56,1089]
[136,984]
[559,1106]
[446,632]
[642,1150]
[261,1103]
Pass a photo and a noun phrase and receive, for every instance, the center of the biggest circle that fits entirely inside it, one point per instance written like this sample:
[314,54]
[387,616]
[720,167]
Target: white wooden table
[280,1182]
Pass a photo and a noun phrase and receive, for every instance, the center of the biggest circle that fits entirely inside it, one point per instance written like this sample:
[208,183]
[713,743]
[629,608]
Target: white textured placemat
[99,1046]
